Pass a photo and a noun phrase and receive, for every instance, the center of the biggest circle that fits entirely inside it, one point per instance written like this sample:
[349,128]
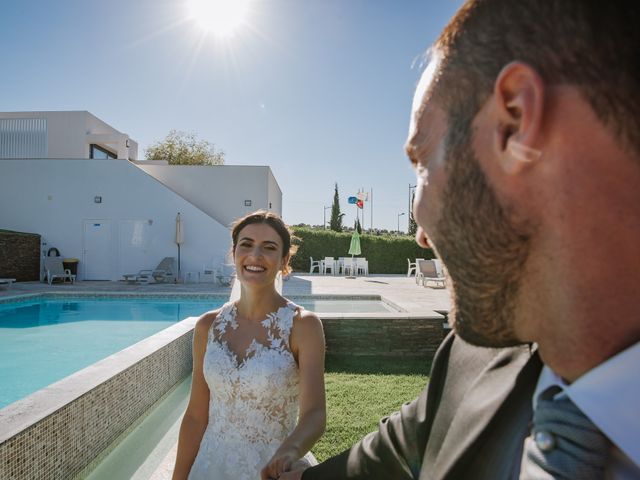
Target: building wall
[274,194]
[69,134]
[56,199]
[221,190]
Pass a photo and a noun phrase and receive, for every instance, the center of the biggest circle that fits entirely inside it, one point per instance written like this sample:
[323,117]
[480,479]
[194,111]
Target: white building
[73,179]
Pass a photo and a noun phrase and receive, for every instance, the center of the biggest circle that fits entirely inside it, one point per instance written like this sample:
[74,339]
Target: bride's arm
[307,345]
[196,416]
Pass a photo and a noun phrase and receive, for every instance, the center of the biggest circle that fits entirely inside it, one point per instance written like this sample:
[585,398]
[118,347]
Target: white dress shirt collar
[609,395]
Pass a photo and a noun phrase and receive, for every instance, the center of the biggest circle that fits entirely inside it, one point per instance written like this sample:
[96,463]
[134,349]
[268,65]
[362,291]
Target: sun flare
[219,17]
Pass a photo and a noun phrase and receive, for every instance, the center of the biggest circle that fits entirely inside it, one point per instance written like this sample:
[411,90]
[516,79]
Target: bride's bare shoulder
[307,327]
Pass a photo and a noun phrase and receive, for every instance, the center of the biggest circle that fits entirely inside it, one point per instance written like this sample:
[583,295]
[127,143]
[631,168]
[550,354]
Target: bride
[257,400]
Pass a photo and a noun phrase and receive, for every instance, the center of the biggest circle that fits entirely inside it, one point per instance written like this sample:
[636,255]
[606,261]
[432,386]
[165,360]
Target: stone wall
[403,337]
[19,256]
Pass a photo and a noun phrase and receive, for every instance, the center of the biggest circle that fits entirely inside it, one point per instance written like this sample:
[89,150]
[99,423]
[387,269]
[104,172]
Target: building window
[101,153]
[23,138]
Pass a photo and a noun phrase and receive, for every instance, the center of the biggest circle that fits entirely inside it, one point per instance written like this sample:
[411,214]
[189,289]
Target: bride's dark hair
[275,222]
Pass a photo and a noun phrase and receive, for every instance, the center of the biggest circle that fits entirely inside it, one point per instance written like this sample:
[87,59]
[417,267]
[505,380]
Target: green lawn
[360,391]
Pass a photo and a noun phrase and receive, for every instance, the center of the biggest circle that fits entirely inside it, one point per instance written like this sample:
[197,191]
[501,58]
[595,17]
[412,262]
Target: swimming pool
[45,339]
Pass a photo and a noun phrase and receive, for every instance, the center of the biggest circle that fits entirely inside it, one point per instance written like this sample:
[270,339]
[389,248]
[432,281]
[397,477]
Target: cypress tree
[335,223]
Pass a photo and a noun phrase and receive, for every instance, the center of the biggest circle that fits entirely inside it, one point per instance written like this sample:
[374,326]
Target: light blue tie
[564,443]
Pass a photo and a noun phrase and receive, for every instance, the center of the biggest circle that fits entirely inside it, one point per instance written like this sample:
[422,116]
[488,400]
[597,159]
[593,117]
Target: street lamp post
[411,187]
[399,215]
[324,217]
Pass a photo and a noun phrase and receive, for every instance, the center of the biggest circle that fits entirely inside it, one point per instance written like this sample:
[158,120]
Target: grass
[362,390]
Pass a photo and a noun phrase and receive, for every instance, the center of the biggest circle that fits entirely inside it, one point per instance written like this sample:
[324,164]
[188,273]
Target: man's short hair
[591,44]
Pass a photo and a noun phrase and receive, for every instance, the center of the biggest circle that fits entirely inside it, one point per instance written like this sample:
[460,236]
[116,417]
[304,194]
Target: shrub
[385,253]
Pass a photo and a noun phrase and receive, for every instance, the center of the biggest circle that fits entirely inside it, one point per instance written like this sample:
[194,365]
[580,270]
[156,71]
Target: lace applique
[226,317]
[253,404]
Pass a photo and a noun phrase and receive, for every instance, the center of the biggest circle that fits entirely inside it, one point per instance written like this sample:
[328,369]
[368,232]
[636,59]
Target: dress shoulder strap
[226,317]
[285,320]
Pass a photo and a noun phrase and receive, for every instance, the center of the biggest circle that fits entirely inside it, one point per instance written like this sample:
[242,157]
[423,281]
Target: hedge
[385,253]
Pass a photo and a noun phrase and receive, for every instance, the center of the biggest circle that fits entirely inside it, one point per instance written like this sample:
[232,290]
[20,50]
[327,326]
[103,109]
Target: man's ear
[519,101]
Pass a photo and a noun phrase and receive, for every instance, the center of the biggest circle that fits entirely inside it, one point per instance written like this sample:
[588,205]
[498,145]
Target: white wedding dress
[253,405]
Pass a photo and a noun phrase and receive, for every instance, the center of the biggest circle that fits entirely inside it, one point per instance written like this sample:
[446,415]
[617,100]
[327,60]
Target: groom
[525,136]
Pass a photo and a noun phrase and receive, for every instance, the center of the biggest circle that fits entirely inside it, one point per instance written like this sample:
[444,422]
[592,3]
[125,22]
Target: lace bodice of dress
[253,403]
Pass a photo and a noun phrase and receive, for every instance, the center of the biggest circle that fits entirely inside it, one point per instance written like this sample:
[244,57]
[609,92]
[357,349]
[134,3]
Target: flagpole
[363,205]
[371,207]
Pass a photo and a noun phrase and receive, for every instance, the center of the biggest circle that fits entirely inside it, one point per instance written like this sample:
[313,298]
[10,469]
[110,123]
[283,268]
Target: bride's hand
[293,475]
[281,462]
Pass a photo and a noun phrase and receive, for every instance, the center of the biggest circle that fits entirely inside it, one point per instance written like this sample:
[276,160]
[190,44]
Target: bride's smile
[258,254]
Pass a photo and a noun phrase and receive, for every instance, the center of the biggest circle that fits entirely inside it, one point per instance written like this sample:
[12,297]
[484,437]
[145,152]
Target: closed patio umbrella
[354,249]
[179,238]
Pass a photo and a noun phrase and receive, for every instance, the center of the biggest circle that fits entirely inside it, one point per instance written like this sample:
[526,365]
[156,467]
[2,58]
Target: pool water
[149,450]
[345,306]
[43,341]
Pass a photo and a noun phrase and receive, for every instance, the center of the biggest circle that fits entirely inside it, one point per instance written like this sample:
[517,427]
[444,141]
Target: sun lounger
[163,273]
[428,272]
[54,268]
[6,283]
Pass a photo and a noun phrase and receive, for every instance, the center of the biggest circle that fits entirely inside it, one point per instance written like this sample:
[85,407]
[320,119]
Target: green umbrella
[354,249]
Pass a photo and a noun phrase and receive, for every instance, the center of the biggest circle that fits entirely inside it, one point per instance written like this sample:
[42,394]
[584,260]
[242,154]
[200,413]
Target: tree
[183,148]
[335,223]
[413,226]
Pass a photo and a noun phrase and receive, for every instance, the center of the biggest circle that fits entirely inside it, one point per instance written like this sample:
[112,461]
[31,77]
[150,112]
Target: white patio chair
[362,266]
[411,267]
[328,264]
[315,264]
[226,274]
[348,266]
[54,268]
[207,275]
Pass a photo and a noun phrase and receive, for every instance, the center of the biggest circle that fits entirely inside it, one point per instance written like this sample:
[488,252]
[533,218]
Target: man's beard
[484,252]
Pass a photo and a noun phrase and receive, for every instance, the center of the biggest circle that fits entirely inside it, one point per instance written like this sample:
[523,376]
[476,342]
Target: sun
[219,17]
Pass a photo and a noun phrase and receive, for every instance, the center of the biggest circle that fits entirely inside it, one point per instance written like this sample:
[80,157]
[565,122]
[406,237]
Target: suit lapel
[492,388]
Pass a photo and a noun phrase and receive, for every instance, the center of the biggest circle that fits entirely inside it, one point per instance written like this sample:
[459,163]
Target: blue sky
[319,90]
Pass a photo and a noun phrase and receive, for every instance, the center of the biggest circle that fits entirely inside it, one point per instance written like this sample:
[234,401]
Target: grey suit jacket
[469,422]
